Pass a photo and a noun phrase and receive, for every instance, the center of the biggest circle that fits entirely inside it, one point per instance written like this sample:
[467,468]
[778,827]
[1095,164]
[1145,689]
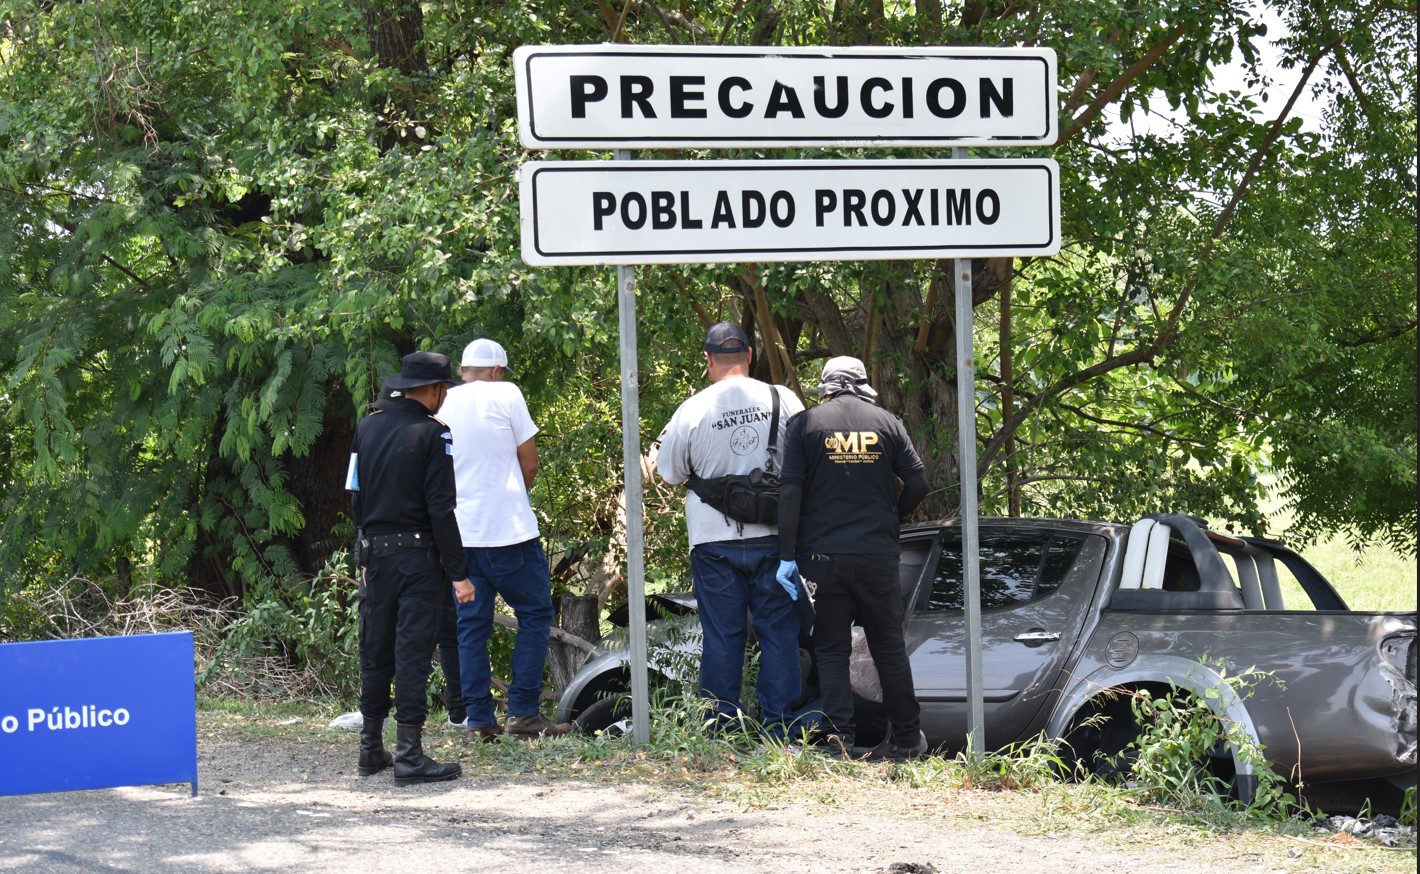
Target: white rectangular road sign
[697,212]
[624,97]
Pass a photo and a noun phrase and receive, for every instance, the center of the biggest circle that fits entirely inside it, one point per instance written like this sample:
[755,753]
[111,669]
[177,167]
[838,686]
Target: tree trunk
[580,623]
[580,616]
[396,29]
[317,481]
[123,577]
[908,344]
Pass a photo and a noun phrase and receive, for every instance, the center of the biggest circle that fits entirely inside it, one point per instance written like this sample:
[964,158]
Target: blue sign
[96,713]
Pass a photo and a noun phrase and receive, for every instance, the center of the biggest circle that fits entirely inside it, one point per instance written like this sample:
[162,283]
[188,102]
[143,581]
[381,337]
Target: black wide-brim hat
[422,368]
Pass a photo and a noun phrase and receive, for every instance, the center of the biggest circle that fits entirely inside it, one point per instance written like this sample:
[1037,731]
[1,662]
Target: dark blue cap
[726,337]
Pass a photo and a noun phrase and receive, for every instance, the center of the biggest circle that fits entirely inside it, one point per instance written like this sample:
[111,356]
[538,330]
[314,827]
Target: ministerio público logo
[852,446]
[65,719]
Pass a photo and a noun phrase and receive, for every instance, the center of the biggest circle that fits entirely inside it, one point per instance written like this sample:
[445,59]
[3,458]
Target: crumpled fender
[1396,651]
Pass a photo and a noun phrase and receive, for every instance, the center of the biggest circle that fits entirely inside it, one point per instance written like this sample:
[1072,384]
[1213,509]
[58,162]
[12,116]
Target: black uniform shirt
[842,460]
[402,479]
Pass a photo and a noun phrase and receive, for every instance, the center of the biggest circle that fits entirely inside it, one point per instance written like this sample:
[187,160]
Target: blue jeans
[449,659]
[732,576]
[519,574]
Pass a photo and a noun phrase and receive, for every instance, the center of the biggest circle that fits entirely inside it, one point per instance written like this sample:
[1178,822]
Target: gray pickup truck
[1073,611]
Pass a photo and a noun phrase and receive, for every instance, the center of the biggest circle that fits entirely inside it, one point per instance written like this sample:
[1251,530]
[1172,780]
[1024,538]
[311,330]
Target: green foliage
[227,224]
[1181,734]
[679,723]
[292,641]
[1027,765]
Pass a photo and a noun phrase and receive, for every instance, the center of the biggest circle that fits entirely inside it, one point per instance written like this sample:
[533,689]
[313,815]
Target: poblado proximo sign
[621,97]
[675,212]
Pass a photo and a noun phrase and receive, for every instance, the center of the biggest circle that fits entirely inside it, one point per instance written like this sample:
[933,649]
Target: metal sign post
[966,464]
[631,477]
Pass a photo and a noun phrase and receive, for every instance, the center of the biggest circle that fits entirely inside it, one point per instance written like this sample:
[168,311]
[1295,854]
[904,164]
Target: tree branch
[1141,355]
[55,191]
[562,635]
[781,367]
[1239,412]
[673,19]
[126,272]
[621,21]
[1117,87]
[1128,426]
[1379,336]
[1087,77]
[1146,354]
[1265,146]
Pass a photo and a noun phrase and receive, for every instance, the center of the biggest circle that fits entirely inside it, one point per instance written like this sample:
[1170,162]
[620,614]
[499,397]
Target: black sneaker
[890,751]
[837,746]
[916,751]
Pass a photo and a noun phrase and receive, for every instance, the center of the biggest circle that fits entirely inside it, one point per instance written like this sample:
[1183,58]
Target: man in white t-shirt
[722,431]
[495,461]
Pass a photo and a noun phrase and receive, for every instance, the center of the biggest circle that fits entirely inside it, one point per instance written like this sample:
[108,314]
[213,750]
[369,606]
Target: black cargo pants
[849,591]
[401,610]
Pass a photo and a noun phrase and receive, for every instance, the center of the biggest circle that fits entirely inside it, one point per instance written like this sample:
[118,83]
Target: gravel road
[294,804]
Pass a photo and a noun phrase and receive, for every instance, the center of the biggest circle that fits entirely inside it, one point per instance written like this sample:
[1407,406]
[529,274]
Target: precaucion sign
[622,97]
[97,713]
[691,212]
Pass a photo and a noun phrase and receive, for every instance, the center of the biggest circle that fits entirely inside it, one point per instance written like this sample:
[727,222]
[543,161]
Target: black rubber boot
[411,765]
[373,757]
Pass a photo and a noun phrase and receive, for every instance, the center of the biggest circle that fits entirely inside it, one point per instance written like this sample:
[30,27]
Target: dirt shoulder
[276,797]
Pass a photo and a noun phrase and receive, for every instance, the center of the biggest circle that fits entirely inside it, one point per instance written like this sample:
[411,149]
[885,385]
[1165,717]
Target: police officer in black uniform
[401,480]
[448,629]
[839,516]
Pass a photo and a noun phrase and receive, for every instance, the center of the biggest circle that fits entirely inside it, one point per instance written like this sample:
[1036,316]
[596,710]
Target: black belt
[402,540]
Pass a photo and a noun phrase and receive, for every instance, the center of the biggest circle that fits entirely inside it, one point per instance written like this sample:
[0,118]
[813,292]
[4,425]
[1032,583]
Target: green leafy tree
[225,224]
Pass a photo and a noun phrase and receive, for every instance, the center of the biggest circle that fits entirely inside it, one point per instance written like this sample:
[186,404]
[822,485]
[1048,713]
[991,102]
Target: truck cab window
[1016,567]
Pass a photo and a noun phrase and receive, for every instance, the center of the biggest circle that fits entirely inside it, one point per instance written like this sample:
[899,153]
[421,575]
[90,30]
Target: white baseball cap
[484,352]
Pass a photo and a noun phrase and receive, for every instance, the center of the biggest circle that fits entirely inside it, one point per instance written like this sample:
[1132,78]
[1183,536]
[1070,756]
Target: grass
[1376,578]
[1016,792]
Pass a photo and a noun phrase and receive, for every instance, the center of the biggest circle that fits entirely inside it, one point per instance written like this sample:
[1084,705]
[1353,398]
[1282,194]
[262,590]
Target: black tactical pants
[401,610]
[848,592]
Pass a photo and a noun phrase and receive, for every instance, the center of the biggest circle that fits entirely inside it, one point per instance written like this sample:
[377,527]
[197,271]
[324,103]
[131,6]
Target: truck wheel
[1099,738]
[609,717]
[1102,740]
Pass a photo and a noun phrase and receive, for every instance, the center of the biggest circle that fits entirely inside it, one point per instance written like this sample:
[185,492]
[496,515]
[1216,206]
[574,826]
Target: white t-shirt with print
[489,421]
[720,431]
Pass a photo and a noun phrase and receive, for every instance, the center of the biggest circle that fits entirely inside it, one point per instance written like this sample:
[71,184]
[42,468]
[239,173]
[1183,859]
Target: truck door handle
[1037,635]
